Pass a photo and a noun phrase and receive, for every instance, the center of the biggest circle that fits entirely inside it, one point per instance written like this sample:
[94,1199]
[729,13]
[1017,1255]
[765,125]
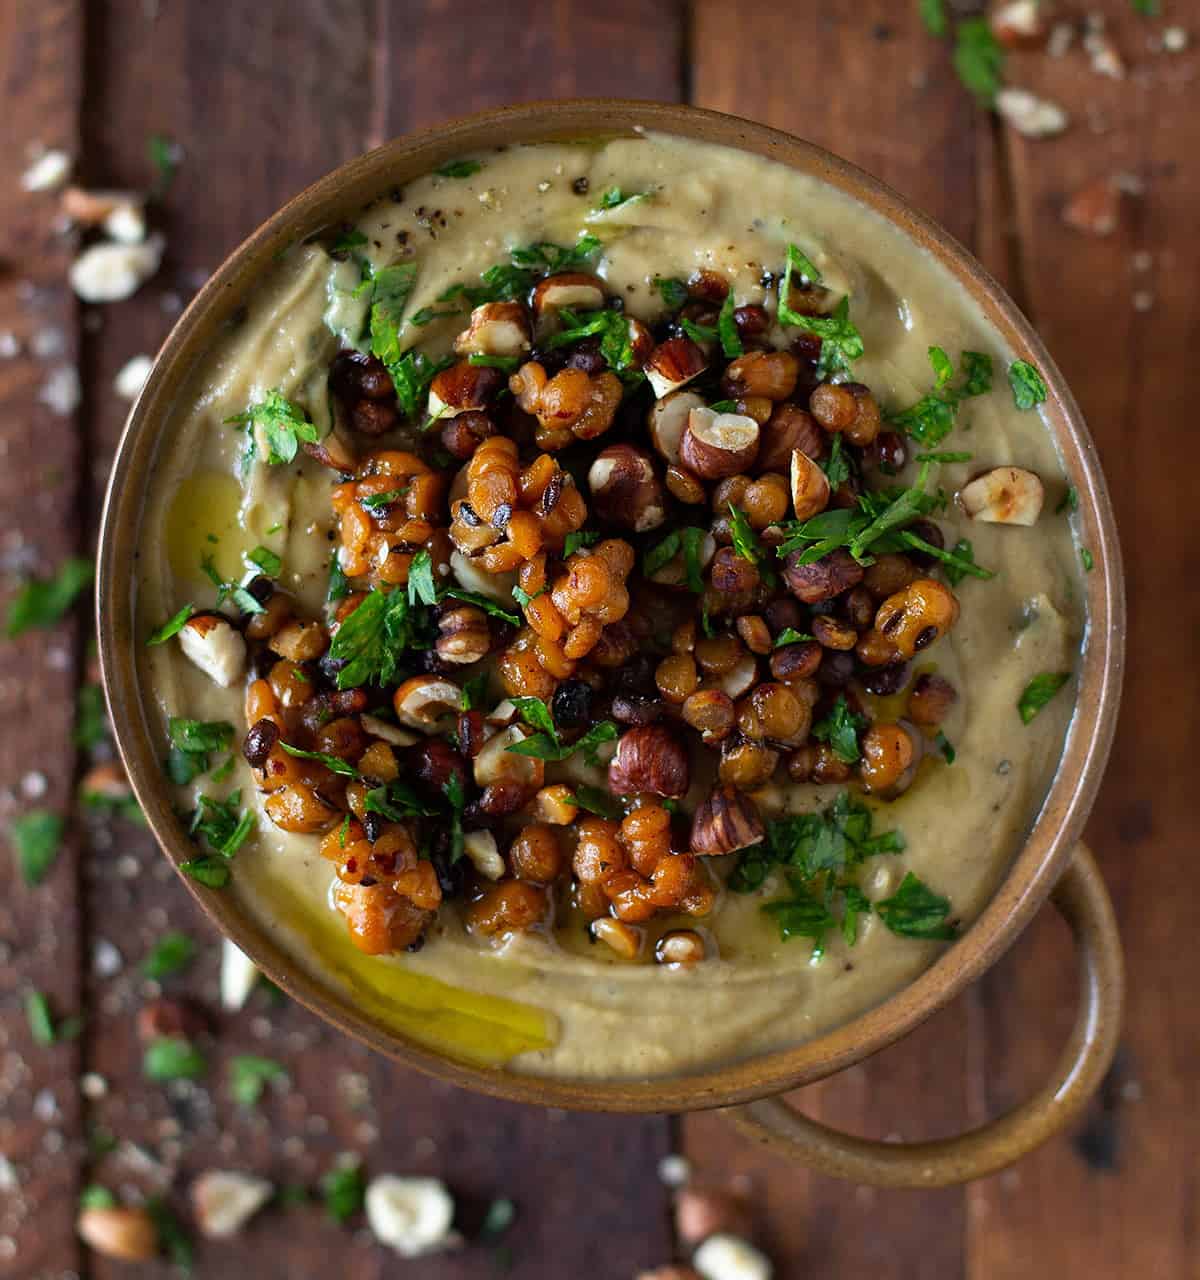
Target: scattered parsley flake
[789,635]
[284,425]
[841,729]
[1087,559]
[343,1189]
[915,911]
[171,954]
[36,837]
[249,1076]
[1028,386]
[946,747]
[978,59]
[44,602]
[1039,691]
[335,764]
[172,626]
[459,169]
[266,560]
[173,1058]
[1069,503]
[673,292]
[727,330]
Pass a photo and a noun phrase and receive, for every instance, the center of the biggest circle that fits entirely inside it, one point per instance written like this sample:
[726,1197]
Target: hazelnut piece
[575,289]
[667,420]
[810,486]
[462,387]
[423,701]
[726,821]
[1004,495]
[496,329]
[625,490]
[718,444]
[672,364]
[650,760]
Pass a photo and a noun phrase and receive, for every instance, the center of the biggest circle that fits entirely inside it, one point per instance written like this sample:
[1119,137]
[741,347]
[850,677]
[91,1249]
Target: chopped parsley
[163,154]
[36,837]
[173,1058]
[284,426]
[1087,559]
[933,15]
[1028,386]
[266,560]
[421,587]
[579,538]
[978,59]
[344,1190]
[249,1076]
[397,801]
[596,800]
[376,503]
[171,954]
[524,599]
[837,465]
[789,635]
[173,1240]
[171,627]
[457,800]
[388,290]
[688,540]
[673,292]
[372,639]
[42,1025]
[411,375]
[1147,8]
[931,419]
[44,602]
[545,744]
[614,198]
[349,239]
[841,342]
[946,747]
[796,263]
[1039,691]
[475,690]
[915,911]
[1069,502]
[459,169]
[225,829]
[841,729]
[91,717]
[727,406]
[335,764]
[612,327]
[486,603]
[747,545]
[505,363]
[727,330]
[191,743]
[339,584]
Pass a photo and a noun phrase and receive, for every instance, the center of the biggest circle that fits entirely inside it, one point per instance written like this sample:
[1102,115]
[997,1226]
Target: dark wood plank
[1118,1196]
[262,103]
[40,1120]
[867,82]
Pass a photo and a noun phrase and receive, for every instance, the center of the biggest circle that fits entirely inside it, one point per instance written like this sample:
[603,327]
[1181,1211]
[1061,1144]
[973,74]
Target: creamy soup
[923,748]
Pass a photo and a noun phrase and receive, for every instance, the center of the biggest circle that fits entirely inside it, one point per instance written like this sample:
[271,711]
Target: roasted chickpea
[874,649]
[773,711]
[534,855]
[754,632]
[832,634]
[512,906]
[718,655]
[796,661]
[676,677]
[858,608]
[931,700]
[729,492]
[914,618]
[747,764]
[766,500]
[597,852]
[890,573]
[711,713]
[887,753]
[828,768]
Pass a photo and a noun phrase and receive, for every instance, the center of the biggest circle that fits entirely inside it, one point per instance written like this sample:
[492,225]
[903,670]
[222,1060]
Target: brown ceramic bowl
[1052,847]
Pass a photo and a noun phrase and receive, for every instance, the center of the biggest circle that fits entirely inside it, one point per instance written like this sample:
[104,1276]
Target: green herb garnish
[36,837]
[727,330]
[91,717]
[388,290]
[459,169]
[978,59]
[284,425]
[841,729]
[1028,386]
[45,602]
[596,800]
[173,1058]
[915,911]
[933,15]
[579,538]
[191,743]
[344,1190]
[411,375]
[486,603]
[841,342]
[372,639]
[266,560]
[249,1076]
[421,587]
[747,545]
[335,764]
[1039,691]
[505,363]
[1087,559]
[545,744]
[171,626]
[946,747]
[1069,502]
[163,154]
[789,635]
[931,419]
[171,954]
[673,292]
[348,240]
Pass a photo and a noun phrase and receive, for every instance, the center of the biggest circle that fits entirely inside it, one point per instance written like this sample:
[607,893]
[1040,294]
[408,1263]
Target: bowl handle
[1083,900]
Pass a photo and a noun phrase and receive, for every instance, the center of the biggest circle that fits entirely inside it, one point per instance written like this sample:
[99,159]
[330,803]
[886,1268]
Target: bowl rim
[1058,825]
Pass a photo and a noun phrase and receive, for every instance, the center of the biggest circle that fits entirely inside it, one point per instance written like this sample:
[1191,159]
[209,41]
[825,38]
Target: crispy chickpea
[801,763]
[672,879]
[890,573]
[524,676]
[747,764]
[773,711]
[827,767]
[597,852]
[683,638]
[378,762]
[343,738]
[834,406]
[340,840]
[277,611]
[914,618]
[832,634]
[730,491]
[757,407]
[297,807]
[512,906]
[677,677]
[930,700]
[711,713]
[290,684]
[858,608]
[680,947]
[534,855]
[631,895]
[766,500]
[718,655]
[556,805]
[887,753]
[378,918]
[683,486]
[797,661]
[874,649]
[754,632]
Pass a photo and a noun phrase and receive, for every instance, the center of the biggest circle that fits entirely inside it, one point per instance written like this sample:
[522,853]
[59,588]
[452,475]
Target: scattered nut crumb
[703,1213]
[1030,115]
[48,343]
[1175,39]
[127,223]
[725,1257]
[1019,24]
[49,170]
[1062,37]
[61,391]
[106,959]
[1142,260]
[411,1215]
[1143,300]
[93,1086]
[111,272]
[132,376]
[223,1201]
[238,976]
[1102,53]
[1094,209]
[10,345]
[674,1171]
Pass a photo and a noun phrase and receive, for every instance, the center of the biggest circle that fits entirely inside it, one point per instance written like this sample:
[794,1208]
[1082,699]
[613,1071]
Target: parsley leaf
[475,691]
[789,635]
[171,626]
[45,602]
[284,425]
[344,1190]
[596,800]
[171,954]
[397,801]
[36,836]
[580,538]
[1069,503]
[957,564]
[486,603]
[616,341]
[249,1075]
[795,262]
[458,801]
[1147,8]
[931,419]
[688,540]
[266,560]
[1087,559]
[173,1240]
[388,289]
[191,742]
[349,239]
[915,911]
[421,587]
[946,747]
[173,1058]
[727,330]
[411,375]
[546,746]
[747,545]
[537,715]
[225,830]
[372,639]
[837,465]
[978,59]
[673,292]
[459,169]
[335,764]
[1039,691]
[933,15]
[1028,387]
[803,915]
[39,1017]
[506,363]
[841,729]
[91,717]
[841,342]
[339,584]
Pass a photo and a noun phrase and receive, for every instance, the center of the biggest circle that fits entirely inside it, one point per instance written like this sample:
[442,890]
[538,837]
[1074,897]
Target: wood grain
[1120,316]
[300,90]
[867,82]
[40,1121]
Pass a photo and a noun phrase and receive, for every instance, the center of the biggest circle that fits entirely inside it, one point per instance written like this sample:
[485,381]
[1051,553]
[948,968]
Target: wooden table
[266,96]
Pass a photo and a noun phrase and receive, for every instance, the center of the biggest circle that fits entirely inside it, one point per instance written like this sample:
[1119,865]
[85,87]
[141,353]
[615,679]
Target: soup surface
[825,843]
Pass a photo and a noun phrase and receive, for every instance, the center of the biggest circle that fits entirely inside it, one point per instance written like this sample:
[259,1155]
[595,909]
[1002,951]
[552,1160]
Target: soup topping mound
[585,569]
